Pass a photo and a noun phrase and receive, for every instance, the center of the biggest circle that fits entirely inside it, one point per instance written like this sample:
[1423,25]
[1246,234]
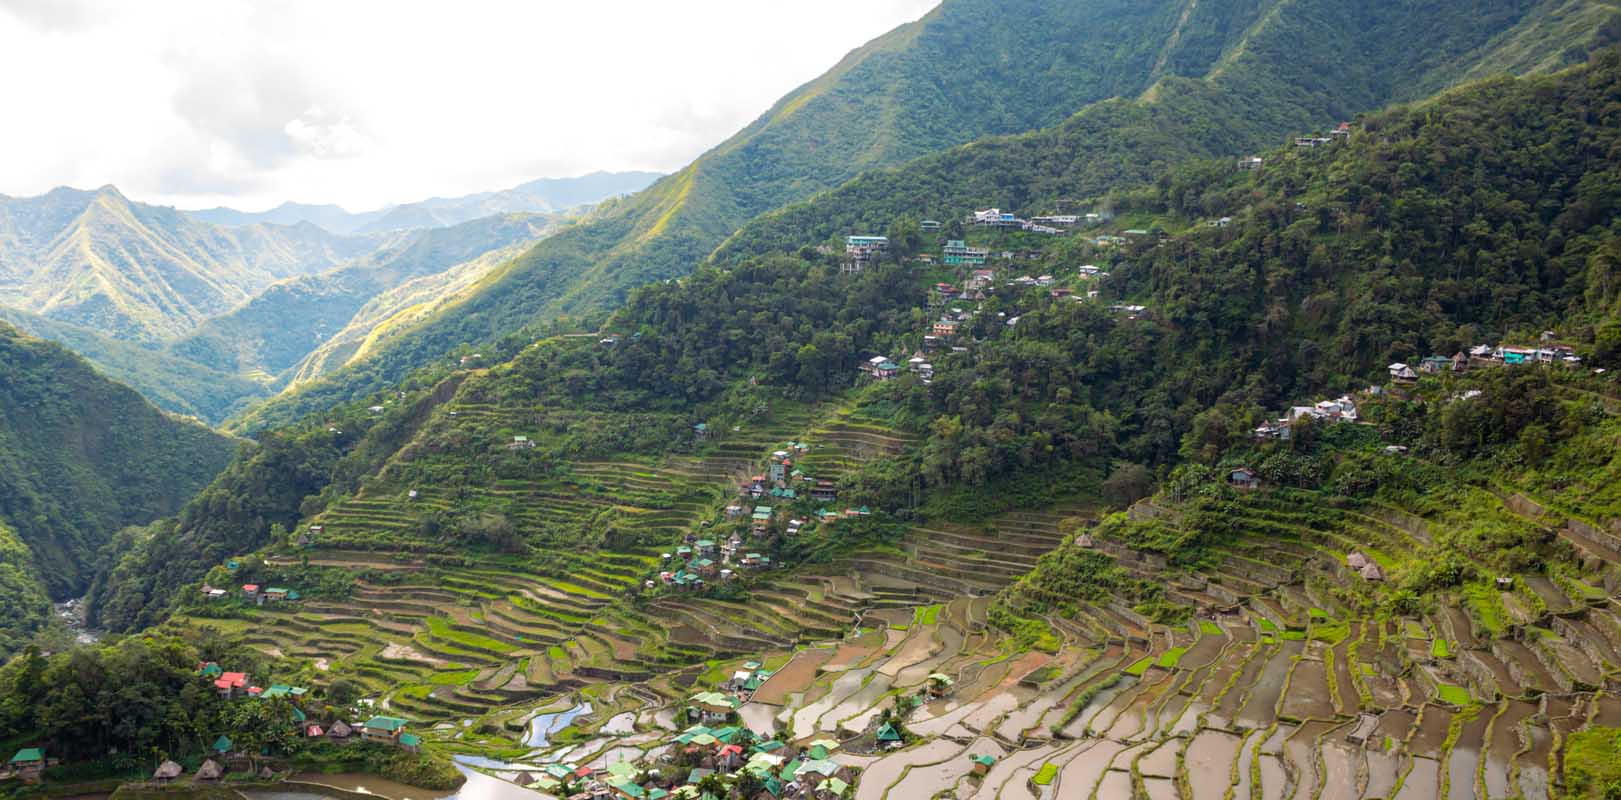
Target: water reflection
[545,725]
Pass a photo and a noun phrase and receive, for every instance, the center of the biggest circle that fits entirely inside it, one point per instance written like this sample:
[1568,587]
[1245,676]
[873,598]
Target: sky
[363,103]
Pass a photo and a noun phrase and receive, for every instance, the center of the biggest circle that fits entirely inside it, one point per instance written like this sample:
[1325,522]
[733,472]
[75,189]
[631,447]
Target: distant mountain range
[205,312]
[538,196]
[146,273]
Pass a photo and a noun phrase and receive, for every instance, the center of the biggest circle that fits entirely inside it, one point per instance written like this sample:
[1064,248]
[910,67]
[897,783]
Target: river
[71,613]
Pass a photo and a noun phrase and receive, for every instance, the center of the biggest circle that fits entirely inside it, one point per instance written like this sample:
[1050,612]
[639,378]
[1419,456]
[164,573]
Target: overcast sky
[362,103]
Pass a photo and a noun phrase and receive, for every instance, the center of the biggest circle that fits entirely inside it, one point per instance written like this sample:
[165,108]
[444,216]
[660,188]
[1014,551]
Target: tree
[1128,483]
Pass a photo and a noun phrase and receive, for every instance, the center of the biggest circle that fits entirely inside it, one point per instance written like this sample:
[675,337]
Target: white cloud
[195,102]
[323,135]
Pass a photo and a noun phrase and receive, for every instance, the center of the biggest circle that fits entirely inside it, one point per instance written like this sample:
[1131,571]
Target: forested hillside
[80,458]
[1275,85]
[1336,261]
[1417,601]
[970,68]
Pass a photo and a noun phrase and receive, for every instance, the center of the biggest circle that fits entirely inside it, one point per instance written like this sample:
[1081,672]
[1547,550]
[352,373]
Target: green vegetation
[80,458]
[928,615]
[1140,666]
[1454,695]
[1045,775]
[1593,764]
[1170,658]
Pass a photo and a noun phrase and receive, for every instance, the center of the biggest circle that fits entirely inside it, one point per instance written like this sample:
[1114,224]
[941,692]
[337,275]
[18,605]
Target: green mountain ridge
[80,458]
[1262,90]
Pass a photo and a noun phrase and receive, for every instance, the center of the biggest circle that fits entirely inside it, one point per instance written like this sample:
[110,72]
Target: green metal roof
[386,723]
[28,754]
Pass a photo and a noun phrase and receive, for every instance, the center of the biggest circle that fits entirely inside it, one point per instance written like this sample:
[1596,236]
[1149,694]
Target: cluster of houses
[1340,409]
[1340,133]
[1548,351]
[725,753]
[713,748]
[997,218]
[238,686]
[255,594]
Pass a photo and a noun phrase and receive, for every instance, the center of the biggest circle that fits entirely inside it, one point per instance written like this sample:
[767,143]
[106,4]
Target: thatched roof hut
[167,771]
[210,771]
[1356,561]
[1371,572]
[339,730]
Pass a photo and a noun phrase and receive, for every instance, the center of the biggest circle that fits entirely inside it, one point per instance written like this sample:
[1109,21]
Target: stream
[71,614]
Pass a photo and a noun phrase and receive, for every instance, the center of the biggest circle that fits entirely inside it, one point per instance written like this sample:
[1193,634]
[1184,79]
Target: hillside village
[746,669]
[604,599]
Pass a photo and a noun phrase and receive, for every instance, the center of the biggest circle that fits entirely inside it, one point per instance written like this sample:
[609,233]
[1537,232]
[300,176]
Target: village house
[994,218]
[889,738]
[1433,365]
[230,685]
[1250,164]
[957,253]
[210,772]
[167,772]
[251,592]
[945,328]
[1061,220]
[1341,133]
[713,707]
[981,279]
[1401,373]
[982,765]
[28,764]
[861,252]
[520,443]
[761,519]
[929,225]
[1244,478]
[383,729]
